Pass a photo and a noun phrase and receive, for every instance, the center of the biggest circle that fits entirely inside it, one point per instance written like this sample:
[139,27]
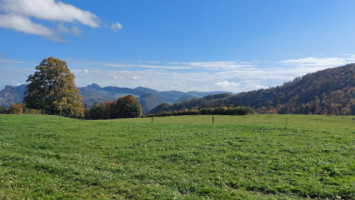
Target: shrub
[207,111]
[3,110]
[16,108]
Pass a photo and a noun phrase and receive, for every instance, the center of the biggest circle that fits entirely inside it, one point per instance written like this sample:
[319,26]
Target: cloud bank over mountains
[183,76]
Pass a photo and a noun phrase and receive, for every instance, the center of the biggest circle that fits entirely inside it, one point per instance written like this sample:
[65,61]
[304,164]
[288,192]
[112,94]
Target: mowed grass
[185,157]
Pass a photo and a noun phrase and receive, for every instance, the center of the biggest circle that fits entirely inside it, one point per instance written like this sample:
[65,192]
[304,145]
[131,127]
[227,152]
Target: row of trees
[19,108]
[124,107]
[52,90]
[207,111]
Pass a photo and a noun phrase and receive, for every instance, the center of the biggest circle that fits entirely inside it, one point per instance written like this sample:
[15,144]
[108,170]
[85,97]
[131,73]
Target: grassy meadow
[183,157]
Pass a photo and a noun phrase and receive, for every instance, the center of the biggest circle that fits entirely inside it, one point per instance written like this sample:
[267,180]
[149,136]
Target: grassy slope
[240,157]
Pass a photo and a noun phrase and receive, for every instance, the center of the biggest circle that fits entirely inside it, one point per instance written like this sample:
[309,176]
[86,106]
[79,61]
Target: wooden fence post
[286,122]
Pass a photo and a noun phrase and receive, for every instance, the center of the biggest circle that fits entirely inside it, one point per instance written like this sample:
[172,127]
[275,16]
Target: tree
[126,107]
[96,112]
[106,109]
[53,90]
[129,107]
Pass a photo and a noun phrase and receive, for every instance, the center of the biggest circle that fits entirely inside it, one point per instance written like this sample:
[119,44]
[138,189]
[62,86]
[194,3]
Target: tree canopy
[16,108]
[53,90]
[2,110]
[124,107]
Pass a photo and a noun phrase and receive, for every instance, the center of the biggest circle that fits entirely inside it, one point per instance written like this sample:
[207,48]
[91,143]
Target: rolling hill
[330,91]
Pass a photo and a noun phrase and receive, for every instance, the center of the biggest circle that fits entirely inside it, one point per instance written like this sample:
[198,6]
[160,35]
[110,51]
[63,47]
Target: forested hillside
[330,91]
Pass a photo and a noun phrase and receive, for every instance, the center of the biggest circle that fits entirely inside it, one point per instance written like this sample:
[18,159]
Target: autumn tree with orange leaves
[16,108]
[53,90]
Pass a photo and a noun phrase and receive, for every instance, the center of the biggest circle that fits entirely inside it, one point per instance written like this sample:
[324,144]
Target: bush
[220,111]
[32,111]
[16,108]
[3,110]
[205,111]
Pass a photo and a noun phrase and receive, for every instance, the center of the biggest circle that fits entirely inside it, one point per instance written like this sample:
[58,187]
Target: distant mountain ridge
[330,91]
[12,94]
[148,98]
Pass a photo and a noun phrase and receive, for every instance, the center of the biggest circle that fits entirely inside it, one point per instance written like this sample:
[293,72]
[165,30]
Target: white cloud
[218,65]
[17,15]
[320,62]
[184,76]
[25,25]
[301,66]
[241,86]
[3,59]
[63,29]
[164,81]
[86,71]
[213,65]
[187,76]
[13,75]
[49,10]
[114,76]
[226,84]
[116,26]
[146,66]
[76,30]
[203,76]
[249,85]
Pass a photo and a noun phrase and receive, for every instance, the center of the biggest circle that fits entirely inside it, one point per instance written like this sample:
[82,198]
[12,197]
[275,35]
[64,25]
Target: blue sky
[229,45]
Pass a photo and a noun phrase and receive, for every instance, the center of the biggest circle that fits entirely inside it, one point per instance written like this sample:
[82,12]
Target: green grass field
[186,157]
